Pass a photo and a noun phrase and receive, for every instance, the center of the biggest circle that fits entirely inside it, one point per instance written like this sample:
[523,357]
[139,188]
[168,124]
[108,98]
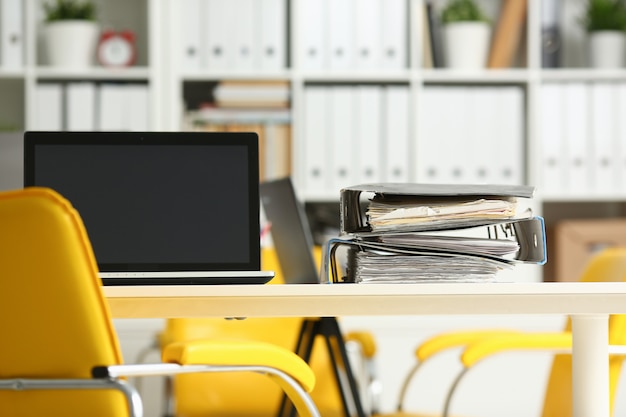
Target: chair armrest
[455,339]
[475,352]
[135,405]
[440,343]
[555,342]
[366,340]
[284,367]
[240,353]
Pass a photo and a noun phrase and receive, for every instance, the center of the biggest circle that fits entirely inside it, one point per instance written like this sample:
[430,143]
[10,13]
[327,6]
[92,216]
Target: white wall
[11,160]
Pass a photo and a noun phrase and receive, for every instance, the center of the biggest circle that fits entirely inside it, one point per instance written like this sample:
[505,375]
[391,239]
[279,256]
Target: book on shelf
[507,36]
[550,34]
[402,232]
[252,94]
[434,35]
[272,125]
[427,50]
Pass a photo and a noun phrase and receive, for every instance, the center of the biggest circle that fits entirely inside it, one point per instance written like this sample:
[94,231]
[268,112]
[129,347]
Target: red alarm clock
[116,48]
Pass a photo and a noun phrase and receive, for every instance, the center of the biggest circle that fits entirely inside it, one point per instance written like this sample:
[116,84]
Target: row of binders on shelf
[355,133]
[333,34]
[471,135]
[433,233]
[89,106]
[11,34]
[352,34]
[583,138]
[227,34]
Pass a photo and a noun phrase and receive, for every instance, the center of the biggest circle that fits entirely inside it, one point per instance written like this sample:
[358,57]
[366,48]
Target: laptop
[291,233]
[160,208]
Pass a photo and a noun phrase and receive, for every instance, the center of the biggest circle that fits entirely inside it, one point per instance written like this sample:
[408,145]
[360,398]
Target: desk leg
[590,365]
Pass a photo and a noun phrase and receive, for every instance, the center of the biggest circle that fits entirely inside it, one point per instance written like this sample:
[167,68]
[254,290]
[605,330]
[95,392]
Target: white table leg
[590,365]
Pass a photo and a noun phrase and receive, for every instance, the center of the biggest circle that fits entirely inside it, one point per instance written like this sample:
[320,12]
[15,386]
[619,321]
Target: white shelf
[583,74]
[12,73]
[93,73]
[478,76]
[358,76]
[234,75]
[588,198]
[161,32]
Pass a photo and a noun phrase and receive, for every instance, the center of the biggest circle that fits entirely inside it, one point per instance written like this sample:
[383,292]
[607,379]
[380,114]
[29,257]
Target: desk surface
[366,299]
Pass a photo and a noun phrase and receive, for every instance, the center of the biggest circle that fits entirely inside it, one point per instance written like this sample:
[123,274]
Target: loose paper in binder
[409,206]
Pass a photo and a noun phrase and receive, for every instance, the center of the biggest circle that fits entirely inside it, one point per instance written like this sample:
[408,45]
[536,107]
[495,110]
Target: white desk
[589,305]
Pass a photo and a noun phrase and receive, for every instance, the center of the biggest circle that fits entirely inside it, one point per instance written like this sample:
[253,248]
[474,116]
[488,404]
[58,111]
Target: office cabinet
[26,75]
[556,127]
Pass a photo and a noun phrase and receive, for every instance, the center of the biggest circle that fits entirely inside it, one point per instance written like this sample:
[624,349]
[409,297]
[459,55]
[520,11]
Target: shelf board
[583,74]
[313,197]
[585,198]
[356,76]
[6,73]
[93,73]
[204,75]
[244,116]
[483,76]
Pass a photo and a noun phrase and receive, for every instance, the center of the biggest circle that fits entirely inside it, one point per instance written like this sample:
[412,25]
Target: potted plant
[70,32]
[605,22]
[466,34]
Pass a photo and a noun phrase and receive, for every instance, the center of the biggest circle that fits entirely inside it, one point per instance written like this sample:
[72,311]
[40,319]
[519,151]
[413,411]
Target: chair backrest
[607,265]
[54,320]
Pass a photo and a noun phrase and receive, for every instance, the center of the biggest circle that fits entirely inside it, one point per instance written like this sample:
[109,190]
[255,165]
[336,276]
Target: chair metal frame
[108,377]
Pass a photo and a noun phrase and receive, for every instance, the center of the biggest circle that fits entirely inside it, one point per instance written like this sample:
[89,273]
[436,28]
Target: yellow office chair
[204,395]
[607,265]
[60,354]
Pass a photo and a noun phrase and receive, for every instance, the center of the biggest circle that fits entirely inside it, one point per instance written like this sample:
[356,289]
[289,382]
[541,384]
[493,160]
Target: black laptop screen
[156,201]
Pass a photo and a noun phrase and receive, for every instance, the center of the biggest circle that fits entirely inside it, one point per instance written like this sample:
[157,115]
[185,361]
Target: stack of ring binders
[432,233]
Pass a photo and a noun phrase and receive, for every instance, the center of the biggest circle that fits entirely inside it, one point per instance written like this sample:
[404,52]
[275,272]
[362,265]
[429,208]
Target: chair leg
[168,397]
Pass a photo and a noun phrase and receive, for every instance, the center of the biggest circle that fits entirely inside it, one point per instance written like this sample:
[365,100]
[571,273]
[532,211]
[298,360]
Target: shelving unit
[162,30]
[301,77]
[18,107]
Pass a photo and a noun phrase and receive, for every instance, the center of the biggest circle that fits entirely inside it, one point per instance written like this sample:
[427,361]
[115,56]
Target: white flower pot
[607,49]
[71,43]
[466,44]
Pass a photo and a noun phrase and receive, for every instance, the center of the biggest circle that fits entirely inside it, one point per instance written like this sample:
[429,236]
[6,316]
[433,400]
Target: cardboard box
[575,241]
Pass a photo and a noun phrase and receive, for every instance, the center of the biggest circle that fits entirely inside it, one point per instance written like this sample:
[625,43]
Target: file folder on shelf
[448,233]
[190,52]
[11,34]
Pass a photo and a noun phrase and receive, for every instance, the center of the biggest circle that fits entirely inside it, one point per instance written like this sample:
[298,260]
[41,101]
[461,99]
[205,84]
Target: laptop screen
[158,201]
[290,230]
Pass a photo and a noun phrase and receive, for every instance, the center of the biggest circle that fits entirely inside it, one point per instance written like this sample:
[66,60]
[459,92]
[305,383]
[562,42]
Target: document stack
[433,233]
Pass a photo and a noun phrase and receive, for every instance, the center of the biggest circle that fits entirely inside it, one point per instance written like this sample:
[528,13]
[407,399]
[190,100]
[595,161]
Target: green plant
[604,15]
[69,10]
[462,11]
